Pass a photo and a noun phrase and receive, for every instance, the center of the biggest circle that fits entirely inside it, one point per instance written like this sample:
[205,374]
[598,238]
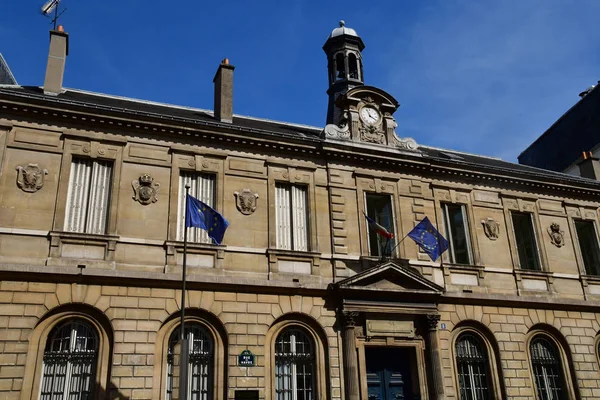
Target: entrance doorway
[391,373]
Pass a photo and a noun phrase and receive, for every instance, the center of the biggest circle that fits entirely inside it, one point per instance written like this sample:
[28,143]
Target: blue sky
[483,76]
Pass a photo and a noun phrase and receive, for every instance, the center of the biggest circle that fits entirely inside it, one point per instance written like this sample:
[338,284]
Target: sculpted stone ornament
[339,131]
[372,134]
[245,201]
[31,177]
[432,321]
[145,189]
[556,235]
[491,228]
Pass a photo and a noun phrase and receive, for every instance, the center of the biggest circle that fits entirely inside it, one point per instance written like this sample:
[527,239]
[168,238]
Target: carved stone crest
[491,228]
[31,177]
[245,201]
[372,134]
[145,189]
[556,235]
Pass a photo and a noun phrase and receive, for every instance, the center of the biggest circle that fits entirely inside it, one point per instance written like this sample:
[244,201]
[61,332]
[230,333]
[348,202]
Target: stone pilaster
[348,322]
[434,356]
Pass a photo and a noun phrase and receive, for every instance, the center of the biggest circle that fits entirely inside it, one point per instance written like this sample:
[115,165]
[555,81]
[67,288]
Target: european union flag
[202,216]
[429,239]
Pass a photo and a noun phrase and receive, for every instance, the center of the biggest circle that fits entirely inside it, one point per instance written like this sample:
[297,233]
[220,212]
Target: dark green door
[389,374]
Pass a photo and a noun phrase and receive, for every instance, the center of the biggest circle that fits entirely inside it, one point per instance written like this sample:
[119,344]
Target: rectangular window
[526,242]
[202,187]
[379,209]
[455,219]
[291,217]
[588,243]
[89,195]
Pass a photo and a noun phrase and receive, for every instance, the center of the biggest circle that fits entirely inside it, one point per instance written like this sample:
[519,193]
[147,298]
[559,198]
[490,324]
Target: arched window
[70,360]
[353,66]
[547,369]
[473,368]
[340,67]
[294,365]
[200,369]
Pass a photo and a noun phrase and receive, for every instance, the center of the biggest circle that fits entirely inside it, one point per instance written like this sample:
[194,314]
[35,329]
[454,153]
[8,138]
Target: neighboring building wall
[573,133]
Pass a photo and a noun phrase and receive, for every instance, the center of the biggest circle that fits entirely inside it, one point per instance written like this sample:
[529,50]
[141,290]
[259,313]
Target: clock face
[369,115]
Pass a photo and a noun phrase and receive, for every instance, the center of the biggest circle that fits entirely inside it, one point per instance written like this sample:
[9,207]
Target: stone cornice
[98,276]
[125,121]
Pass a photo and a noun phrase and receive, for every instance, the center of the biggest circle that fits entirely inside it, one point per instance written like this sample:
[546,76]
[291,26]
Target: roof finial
[342,23]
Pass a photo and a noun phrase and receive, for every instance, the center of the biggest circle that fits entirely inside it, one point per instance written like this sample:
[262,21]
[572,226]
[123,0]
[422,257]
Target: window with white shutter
[89,195]
[202,187]
[291,217]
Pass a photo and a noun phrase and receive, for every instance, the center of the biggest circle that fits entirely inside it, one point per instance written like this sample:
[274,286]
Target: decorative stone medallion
[245,201]
[556,235]
[491,228]
[31,177]
[372,134]
[145,189]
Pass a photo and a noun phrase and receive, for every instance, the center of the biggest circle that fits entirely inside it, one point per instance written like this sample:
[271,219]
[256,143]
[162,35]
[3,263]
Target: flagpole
[183,360]
[398,244]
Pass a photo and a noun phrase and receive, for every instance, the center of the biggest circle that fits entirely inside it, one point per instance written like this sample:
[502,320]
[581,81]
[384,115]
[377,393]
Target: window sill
[82,246]
[466,276]
[294,262]
[201,255]
[533,281]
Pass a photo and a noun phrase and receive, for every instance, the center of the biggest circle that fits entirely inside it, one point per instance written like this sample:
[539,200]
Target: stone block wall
[509,329]
[137,317]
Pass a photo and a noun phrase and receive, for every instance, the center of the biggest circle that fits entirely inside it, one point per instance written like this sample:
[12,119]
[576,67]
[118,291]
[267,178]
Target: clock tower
[356,112]
[344,65]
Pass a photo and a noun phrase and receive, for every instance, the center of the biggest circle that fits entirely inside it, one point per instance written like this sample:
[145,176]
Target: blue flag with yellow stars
[429,239]
[202,216]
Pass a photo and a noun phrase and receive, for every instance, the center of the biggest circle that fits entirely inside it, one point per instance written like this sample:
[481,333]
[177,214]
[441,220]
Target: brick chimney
[57,57]
[589,167]
[224,92]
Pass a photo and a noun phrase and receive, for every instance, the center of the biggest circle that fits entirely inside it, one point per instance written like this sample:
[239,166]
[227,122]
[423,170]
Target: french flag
[379,229]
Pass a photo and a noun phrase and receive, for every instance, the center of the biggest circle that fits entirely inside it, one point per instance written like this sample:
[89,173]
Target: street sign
[246,359]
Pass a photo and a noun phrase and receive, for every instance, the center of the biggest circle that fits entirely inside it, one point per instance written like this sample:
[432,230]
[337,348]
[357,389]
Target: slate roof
[6,76]
[141,108]
[576,131]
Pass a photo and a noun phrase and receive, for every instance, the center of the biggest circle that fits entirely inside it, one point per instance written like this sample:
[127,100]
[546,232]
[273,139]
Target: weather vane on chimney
[52,5]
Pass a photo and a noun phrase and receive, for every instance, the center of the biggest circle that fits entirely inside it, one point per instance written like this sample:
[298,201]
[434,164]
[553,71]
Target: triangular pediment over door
[390,277]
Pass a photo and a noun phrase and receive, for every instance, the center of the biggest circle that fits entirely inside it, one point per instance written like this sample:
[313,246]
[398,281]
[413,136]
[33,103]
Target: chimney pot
[589,167]
[224,92]
[57,57]
[60,28]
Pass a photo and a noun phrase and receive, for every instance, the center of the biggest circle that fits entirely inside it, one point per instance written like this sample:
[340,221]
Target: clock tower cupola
[345,71]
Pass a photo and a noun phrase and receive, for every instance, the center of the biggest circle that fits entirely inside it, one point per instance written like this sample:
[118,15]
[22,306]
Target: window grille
[88,197]
[291,217]
[202,187]
[294,366]
[70,358]
[547,369]
[200,361]
[472,365]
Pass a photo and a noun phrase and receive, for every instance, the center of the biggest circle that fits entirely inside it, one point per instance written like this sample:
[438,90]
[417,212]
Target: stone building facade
[91,252]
